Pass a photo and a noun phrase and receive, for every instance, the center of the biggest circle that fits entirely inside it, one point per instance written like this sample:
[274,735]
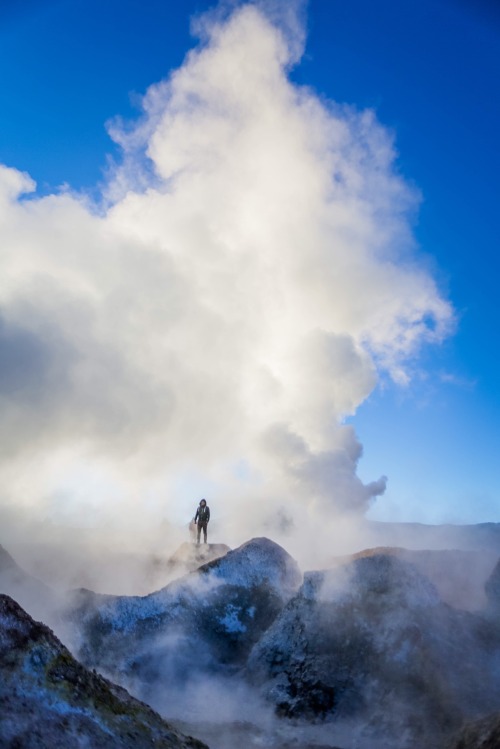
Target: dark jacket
[202,514]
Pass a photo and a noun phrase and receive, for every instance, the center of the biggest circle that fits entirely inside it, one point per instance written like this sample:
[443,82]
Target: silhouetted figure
[202,518]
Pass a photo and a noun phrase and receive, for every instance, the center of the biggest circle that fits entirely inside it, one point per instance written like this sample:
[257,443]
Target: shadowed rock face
[373,640]
[479,734]
[207,621]
[48,699]
[458,575]
[366,650]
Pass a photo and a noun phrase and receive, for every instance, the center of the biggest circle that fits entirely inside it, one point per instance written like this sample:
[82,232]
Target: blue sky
[430,70]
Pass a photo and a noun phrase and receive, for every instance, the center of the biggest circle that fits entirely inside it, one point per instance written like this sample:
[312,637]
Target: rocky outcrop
[189,557]
[479,734]
[372,641]
[48,699]
[458,575]
[257,562]
[157,570]
[205,622]
[367,652]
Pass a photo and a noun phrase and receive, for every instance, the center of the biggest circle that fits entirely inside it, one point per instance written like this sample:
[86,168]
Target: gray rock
[189,557]
[205,622]
[372,641]
[48,699]
[458,575]
[478,734]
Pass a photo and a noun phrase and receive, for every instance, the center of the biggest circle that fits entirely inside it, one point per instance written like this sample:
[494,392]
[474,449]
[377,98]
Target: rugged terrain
[205,622]
[373,640]
[48,699]
[389,648]
[479,734]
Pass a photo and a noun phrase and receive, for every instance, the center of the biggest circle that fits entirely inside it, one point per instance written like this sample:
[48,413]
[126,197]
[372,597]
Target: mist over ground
[247,278]
[371,652]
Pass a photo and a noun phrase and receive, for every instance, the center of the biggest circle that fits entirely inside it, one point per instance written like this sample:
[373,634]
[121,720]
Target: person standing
[202,518]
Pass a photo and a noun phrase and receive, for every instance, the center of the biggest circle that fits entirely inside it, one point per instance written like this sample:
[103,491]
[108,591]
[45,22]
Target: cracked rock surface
[48,699]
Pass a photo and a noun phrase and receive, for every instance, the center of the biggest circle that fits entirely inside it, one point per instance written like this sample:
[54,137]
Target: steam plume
[249,275]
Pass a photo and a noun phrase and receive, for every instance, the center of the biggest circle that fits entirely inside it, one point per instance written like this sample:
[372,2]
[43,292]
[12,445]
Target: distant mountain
[48,699]
[478,537]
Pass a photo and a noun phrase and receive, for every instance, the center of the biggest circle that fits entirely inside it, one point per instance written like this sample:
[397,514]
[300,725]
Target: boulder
[205,622]
[48,699]
[458,575]
[372,641]
[189,557]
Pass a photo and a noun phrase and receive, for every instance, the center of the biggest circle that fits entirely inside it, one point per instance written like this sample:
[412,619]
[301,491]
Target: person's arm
[196,516]
[208,513]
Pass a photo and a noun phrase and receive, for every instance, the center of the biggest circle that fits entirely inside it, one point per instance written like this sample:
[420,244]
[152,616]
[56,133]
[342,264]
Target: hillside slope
[48,699]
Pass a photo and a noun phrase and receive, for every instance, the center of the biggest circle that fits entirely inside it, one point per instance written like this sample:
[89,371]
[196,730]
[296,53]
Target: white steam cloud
[252,273]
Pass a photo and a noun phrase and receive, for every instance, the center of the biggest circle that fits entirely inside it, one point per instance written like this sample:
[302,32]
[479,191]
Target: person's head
[203,503]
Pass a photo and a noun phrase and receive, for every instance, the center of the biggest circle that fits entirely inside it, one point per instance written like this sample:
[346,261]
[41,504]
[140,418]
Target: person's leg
[205,532]
[198,534]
